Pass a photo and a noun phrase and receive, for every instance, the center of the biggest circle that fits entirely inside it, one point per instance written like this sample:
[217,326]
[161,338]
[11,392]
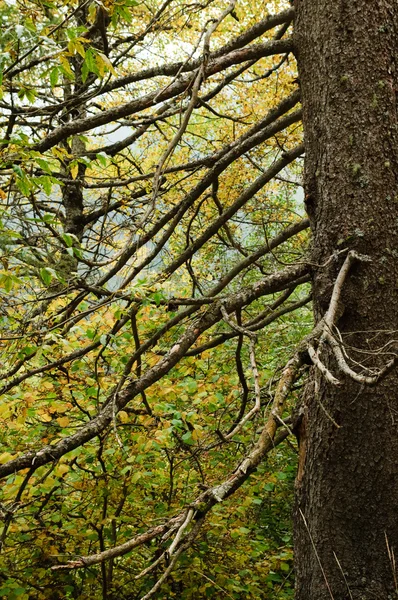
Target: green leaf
[18,591]
[48,218]
[190,385]
[77,252]
[69,239]
[44,164]
[84,72]
[89,61]
[187,438]
[28,351]
[244,530]
[24,185]
[102,158]
[47,274]
[54,75]
[45,183]
[6,282]
[136,476]
[17,169]
[71,33]
[30,95]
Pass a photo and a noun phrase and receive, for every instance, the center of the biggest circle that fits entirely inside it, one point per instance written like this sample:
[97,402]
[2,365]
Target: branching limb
[323,369]
[189,540]
[329,325]
[178,87]
[257,392]
[346,369]
[276,282]
[332,313]
[205,501]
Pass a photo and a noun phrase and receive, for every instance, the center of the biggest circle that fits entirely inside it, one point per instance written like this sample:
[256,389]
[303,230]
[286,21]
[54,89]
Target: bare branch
[178,87]
[330,319]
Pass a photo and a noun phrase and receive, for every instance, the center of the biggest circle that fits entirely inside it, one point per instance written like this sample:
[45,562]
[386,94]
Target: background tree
[155,285]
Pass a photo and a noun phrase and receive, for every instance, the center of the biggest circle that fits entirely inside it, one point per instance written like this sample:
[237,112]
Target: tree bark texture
[346,512]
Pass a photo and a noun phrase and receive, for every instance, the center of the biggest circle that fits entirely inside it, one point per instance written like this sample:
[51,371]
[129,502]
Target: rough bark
[346,526]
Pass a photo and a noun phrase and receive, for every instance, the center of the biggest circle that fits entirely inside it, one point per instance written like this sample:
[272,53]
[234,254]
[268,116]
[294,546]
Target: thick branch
[177,87]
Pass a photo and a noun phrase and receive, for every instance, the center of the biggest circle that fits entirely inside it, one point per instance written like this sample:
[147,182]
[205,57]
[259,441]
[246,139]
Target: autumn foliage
[153,294]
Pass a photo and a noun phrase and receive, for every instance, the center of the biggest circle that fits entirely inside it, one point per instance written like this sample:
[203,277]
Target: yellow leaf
[5,457]
[104,64]
[61,470]
[29,398]
[61,153]
[65,63]
[63,421]
[74,170]
[80,48]
[123,416]
[46,418]
[92,13]
[100,64]
[5,411]
[76,46]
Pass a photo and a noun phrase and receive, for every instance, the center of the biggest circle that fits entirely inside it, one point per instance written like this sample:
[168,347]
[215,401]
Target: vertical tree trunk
[346,513]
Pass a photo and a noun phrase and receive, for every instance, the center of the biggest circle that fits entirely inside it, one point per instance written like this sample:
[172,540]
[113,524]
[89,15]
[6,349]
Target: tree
[148,209]
[347,57]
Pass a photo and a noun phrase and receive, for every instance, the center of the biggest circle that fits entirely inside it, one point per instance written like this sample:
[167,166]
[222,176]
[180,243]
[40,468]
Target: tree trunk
[346,513]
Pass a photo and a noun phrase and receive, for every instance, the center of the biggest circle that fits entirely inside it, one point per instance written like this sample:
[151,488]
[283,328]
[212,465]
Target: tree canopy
[155,298]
